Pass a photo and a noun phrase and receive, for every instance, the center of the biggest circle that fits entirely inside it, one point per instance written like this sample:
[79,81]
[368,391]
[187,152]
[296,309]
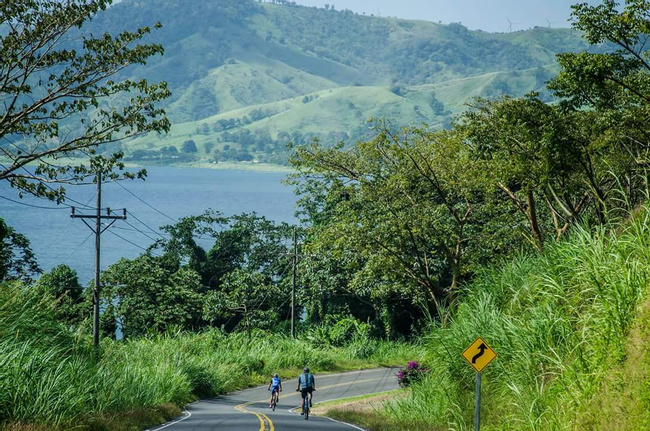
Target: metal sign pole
[477,417]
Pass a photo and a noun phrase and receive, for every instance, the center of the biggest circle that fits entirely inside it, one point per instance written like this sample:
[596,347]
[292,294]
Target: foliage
[555,166]
[411,208]
[240,280]
[558,322]
[56,76]
[62,284]
[67,387]
[149,297]
[413,373]
[17,261]
[243,295]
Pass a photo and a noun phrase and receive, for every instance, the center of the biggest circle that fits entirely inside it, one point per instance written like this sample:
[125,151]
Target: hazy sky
[489,15]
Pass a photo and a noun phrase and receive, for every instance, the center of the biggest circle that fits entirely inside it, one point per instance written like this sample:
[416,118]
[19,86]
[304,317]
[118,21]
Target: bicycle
[274,403]
[305,404]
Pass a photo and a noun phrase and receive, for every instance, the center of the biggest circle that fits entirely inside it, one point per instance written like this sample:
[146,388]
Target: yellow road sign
[479,354]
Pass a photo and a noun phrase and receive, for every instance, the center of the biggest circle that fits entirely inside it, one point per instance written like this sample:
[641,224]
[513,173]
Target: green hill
[249,77]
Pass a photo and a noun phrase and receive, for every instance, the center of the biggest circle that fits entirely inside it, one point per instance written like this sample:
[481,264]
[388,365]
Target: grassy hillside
[307,72]
[571,329]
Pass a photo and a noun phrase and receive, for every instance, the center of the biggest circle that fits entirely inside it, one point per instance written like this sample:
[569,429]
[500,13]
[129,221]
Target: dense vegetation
[559,323]
[525,222]
[49,375]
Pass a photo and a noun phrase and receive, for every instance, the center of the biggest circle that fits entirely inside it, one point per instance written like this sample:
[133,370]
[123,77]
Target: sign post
[477,411]
[479,355]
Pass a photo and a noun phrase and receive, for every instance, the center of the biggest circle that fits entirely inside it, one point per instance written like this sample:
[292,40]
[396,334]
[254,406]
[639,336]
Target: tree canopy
[63,94]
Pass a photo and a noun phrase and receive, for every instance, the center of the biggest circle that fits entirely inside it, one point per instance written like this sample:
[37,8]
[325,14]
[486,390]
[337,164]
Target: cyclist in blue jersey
[306,384]
[275,386]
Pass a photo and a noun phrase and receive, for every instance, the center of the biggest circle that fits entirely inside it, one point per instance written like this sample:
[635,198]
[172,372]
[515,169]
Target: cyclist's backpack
[307,380]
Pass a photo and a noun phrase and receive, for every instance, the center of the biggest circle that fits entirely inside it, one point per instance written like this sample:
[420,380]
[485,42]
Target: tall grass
[558,322]
[49,375]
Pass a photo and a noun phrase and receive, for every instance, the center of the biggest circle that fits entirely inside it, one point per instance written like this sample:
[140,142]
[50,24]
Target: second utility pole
[293,285]
[98,233]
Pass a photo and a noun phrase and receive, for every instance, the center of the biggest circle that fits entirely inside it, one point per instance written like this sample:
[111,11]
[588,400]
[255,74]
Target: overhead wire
[31,205]
[79,246]
[147,204]
[131,242]
[138,230]
[61,232]
[156,232]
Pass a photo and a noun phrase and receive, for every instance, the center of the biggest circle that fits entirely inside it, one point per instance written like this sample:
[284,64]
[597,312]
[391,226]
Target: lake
[167,195]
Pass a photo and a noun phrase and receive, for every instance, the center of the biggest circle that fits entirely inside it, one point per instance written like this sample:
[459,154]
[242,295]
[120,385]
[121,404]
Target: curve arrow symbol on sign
[482,349]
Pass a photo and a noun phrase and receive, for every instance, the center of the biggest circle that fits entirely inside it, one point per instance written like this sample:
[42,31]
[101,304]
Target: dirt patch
[368,404]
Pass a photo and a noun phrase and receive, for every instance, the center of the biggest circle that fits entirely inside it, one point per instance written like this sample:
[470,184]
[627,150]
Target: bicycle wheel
[305,408]
[275,401]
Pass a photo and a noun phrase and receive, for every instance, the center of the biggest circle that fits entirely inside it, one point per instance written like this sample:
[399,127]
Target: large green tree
[408,203]
[62,284]
[64,93]
[149,297]
[615,83]
[556,166]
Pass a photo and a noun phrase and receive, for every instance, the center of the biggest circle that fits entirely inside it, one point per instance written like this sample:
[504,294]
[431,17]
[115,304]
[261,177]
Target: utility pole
[98,232]
[293,285]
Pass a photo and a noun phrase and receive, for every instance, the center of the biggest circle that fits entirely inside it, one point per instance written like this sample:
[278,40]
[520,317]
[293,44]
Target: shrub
[413,373]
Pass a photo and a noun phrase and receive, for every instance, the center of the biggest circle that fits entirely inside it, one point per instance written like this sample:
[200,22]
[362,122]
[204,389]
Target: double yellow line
[264,419]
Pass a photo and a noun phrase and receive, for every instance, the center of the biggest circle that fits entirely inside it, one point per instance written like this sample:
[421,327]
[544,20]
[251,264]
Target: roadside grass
[50,376]
[561,324]
[366,411]
[359,402]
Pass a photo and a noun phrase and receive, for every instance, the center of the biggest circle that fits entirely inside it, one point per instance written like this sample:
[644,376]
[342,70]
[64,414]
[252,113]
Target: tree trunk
[534,225]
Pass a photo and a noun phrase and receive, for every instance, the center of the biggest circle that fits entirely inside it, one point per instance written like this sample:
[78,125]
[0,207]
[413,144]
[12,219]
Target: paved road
[248,410]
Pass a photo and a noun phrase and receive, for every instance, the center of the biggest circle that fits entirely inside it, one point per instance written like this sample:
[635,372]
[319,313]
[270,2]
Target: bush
[413,373]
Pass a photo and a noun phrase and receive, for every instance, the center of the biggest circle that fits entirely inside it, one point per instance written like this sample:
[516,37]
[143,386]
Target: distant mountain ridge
[249,77]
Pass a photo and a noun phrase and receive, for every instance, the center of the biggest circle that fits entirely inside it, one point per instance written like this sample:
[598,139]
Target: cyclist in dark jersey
[275,386]
[306,384]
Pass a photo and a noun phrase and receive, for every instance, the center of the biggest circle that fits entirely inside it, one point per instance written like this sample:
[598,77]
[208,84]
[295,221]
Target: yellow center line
[264,419]
[242,408]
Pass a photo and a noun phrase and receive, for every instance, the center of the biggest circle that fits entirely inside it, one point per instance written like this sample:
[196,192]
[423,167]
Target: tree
[247,296]
[407,203]
[62,284]
[556,166]
[189,146]
[151,296]
[64,96]
[17,261]
[616,84]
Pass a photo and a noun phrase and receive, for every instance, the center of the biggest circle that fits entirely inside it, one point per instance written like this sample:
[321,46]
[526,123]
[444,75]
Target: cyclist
[275,386]
[306,385]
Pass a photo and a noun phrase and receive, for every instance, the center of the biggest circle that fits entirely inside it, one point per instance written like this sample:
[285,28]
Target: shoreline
[225,166]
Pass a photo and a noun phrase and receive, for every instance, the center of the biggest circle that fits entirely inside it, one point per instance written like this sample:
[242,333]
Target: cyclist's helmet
[306,370]
[275,375]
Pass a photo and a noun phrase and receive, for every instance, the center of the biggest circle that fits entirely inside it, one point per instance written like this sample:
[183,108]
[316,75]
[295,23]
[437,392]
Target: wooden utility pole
[293,285]
[98,232]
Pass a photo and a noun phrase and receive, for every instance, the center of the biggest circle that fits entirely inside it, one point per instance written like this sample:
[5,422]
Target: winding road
[248,410]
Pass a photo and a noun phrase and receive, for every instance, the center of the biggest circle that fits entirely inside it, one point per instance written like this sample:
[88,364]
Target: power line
[66,198]
[137,230]
[132,243]
[150,206]
[47,249]
[79,246]
[32,206]
[156,232]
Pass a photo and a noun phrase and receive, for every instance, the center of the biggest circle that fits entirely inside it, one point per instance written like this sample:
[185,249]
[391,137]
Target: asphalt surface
[248,410]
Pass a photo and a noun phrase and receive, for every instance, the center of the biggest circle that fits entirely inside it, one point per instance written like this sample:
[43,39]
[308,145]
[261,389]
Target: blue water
[171,193]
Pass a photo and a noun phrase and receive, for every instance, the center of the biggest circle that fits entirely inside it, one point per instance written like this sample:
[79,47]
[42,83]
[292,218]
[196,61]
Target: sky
[488,15]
